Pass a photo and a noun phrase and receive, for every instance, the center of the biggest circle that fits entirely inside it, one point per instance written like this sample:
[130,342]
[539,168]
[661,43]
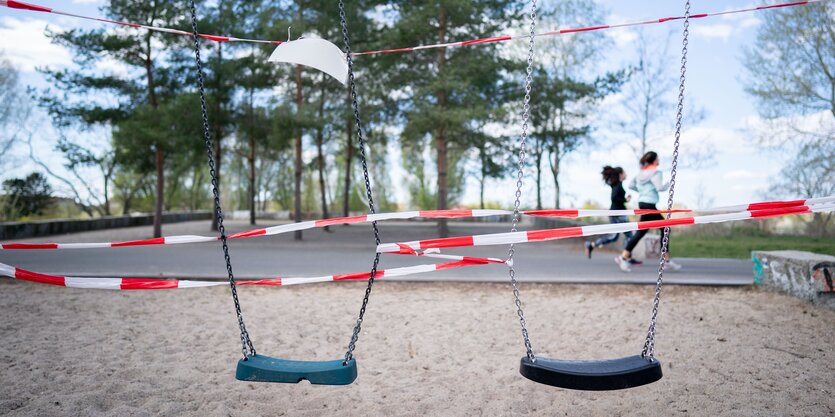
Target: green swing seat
[260,368]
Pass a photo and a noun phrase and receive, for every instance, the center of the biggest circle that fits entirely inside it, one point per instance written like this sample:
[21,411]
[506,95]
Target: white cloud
[739,174]
[715,31]
[722,139]
[27,47]
[736,23]
[87,1]
[112,66]
[771,133]
[749,22]
[738,16]
[622,37]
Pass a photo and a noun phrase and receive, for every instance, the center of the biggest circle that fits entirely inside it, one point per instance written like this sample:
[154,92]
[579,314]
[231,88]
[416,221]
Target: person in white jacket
[648,183]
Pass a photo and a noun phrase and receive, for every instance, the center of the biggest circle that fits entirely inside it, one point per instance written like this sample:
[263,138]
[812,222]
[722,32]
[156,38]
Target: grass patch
[740,247]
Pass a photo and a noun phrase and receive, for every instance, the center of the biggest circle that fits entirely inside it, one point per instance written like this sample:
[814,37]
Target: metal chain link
[522,159]
[246,344]
[649,345]
[353,88]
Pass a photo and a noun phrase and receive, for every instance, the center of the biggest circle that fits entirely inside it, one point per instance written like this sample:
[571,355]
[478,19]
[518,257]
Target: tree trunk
[321,157]
[251,158]
[217,128]
[159,157]
[297,191]
[555,171]
[128,199]
[538,162]
[440,134]
[483,177]
[160,192]
[349,153]
[251,196]
[107,178]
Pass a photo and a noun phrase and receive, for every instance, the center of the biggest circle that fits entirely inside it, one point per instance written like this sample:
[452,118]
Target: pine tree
[113,98]
[449,92]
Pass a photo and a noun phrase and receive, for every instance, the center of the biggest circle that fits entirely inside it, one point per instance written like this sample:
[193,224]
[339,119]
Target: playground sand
[425,350]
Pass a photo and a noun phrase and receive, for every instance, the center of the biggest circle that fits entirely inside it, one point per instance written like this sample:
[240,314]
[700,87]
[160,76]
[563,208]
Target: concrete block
[805,275]
[649,248]
[21,230]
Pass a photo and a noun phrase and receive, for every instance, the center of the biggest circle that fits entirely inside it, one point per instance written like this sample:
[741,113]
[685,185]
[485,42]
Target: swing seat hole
[260,368]
[592,375]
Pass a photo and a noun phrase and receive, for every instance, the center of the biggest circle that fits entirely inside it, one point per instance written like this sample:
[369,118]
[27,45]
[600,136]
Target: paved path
[350,249]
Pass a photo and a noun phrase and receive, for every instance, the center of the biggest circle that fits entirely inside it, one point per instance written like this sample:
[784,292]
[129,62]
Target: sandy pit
[426,349]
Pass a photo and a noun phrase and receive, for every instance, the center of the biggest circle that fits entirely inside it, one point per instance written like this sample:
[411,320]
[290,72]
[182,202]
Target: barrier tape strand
[428,214]
[602,229]
[14,4]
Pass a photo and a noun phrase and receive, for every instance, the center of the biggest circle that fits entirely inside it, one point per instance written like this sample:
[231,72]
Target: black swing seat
[592,375]
[260,368]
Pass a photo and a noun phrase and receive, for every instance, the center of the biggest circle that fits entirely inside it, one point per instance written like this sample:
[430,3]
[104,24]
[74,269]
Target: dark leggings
[639,234]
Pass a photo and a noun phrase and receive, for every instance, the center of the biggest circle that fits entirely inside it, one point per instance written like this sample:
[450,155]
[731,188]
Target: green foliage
[446,94]
[91,95]
[26,196]
[444,105]
[174,127]
[739,246]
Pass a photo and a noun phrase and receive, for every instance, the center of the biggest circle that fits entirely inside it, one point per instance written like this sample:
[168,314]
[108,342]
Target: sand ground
[426,349]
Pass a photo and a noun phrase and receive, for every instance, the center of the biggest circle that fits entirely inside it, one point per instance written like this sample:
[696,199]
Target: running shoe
[589,248]
[633,261]
[672,266]
[623,264]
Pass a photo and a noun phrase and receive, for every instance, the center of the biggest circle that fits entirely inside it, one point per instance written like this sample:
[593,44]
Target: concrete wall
[805,275]
[538,222]
[649,248]
[20,230]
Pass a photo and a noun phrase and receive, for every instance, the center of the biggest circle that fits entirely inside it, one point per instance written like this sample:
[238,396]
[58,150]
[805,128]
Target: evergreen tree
[112,98]
[26,196]
[443,93]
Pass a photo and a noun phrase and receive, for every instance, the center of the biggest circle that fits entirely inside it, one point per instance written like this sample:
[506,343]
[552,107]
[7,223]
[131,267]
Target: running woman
[613,177]
[648,184]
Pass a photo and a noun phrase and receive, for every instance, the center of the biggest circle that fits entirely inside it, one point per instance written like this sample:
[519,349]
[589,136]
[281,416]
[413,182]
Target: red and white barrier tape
[165,284]
[427,248]
[575,213]
[14,4]
[583,29]
[447,214]
[602,229]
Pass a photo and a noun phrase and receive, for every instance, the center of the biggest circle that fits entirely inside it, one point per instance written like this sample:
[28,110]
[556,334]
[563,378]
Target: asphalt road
[350,249]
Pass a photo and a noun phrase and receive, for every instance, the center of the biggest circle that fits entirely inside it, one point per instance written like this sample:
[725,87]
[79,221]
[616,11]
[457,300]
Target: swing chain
[520,173]
[649,345]
[355,105]
[246,344]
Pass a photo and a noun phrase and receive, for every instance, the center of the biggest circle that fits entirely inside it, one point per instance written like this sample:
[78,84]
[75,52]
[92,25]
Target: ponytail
[648,159]
[611,175]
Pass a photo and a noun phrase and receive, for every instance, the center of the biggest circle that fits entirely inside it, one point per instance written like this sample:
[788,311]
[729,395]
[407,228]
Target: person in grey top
[648,183]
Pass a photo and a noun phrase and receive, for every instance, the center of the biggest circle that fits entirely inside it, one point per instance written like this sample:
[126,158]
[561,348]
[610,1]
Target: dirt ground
[426,349]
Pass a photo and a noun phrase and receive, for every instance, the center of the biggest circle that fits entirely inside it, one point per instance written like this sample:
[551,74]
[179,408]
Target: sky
[740,172]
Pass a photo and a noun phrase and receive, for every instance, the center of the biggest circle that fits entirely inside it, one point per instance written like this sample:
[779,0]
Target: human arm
[658,182]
